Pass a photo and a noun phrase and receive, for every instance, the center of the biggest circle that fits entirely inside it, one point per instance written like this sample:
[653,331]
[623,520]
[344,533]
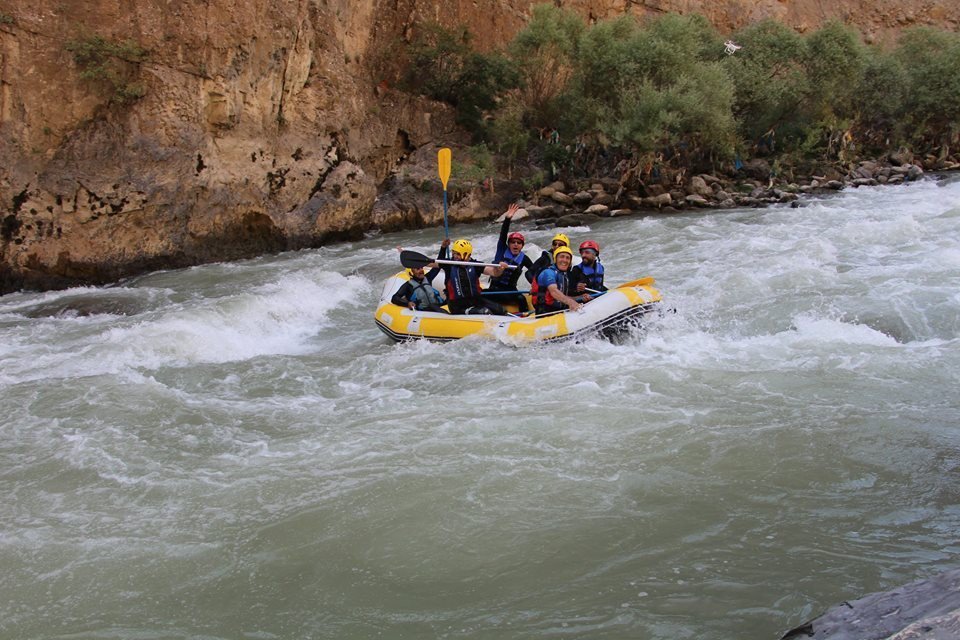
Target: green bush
[931,60]
[102,60]
[769,78]
[656,86]
[545,54]
[444,67]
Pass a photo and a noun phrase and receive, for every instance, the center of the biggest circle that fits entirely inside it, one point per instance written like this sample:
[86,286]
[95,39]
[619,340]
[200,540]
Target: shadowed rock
[927,609]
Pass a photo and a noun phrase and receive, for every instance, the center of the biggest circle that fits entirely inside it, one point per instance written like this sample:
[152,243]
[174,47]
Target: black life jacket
[510,276]
[463,283]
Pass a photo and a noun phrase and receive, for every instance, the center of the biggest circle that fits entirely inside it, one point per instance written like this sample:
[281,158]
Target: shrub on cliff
[111,63]
[444,67]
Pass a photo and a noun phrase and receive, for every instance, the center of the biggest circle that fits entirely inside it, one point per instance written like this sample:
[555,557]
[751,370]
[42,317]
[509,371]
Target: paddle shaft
[466,263]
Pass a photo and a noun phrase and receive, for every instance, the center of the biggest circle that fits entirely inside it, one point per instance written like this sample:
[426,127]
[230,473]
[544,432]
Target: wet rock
[864,182]
[927,609]
[836,185]
[914,172]
[619,213]
[561,197]
[597,209]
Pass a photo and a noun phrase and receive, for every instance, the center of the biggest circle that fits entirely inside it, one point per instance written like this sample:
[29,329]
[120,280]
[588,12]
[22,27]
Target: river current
[235,451]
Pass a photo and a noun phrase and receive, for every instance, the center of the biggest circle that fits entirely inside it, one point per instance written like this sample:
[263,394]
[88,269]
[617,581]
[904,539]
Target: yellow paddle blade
[637,283]
[443,163]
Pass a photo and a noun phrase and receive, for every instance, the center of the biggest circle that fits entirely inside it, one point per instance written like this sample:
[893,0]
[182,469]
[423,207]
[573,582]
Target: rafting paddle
[443,165]
[413,260]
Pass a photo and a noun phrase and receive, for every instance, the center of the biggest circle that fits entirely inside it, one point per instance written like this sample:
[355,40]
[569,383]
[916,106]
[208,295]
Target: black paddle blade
[412,259]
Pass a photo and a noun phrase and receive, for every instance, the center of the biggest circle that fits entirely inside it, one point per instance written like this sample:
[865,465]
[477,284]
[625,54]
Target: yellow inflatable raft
[607,314]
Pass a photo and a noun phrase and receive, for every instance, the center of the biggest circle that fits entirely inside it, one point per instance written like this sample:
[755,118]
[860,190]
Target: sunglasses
[516,241]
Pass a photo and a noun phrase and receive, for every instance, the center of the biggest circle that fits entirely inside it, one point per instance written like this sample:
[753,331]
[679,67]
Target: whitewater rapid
[235,450]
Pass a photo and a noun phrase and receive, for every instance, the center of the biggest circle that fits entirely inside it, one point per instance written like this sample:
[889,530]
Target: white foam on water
[271,319]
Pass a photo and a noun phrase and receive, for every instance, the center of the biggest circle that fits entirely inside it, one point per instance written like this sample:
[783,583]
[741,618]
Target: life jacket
[543,297]
[509,277]
[593,275]
[463,283]
[424,295]
[535,274]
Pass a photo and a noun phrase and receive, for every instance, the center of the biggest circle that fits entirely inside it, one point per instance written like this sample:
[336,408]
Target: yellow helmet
[562,238]
[463,247]
[559,250]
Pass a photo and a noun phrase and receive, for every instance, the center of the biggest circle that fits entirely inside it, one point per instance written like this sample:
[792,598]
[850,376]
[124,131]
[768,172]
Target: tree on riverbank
[581,98]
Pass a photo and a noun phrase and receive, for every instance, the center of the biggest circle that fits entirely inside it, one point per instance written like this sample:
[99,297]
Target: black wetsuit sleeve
[402,296]
[502,240]
[542,263]
[576,277]
[527,264]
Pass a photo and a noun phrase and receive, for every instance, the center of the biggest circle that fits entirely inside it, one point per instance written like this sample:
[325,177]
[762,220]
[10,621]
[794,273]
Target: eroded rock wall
[263,125]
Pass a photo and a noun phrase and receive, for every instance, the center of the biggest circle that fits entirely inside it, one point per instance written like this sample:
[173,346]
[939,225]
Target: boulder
[597,209]
[582,197]
[697,200]
[561,197]
[658,201]
[571,220]
[757,168]
[603,198]
[923,610]
[521,214]
[698,186]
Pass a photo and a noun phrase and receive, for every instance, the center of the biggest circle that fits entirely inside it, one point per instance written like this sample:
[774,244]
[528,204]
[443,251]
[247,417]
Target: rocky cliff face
[261,126]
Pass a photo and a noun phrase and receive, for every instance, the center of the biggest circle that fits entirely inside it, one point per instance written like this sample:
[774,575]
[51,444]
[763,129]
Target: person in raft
[463,282]
[589,273]
[510,250]
[418,293]
[546,257]
[554,285]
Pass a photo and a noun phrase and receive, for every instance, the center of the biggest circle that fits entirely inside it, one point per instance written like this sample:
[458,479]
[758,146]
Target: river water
[235,451]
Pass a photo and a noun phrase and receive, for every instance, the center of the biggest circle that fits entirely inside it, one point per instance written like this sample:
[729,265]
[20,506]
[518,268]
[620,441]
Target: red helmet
[590,244]
[516,235]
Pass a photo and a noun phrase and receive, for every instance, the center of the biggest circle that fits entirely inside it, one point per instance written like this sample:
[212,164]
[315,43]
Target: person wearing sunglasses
[510,250]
